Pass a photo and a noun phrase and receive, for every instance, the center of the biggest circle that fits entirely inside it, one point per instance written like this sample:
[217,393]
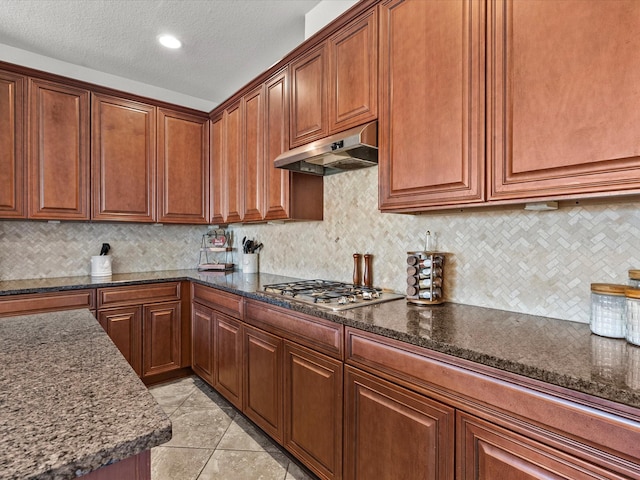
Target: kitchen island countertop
[557,352]
[69,401]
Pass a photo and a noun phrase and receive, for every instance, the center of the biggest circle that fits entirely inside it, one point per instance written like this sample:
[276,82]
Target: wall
[42,249]
[533,262]
[323,13]
[18,56]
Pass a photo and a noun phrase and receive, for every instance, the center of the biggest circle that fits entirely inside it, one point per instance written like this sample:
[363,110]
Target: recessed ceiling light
[169,41]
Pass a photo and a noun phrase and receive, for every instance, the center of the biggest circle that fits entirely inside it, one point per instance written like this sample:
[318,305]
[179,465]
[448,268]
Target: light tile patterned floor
[212,441]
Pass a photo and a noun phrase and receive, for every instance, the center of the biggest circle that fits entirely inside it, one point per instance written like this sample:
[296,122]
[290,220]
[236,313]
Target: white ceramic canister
[101,265]
[250,263]
[608,310]
[633,315]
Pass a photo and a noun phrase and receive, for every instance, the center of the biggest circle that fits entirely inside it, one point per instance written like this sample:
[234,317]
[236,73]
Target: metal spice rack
[425,272]
[215,252]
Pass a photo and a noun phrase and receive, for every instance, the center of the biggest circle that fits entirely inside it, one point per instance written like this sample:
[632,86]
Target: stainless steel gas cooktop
[330,295]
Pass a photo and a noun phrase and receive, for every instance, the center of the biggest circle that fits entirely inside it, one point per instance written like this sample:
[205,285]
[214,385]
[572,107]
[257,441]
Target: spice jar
[634,278]
[633,315]
[608,310]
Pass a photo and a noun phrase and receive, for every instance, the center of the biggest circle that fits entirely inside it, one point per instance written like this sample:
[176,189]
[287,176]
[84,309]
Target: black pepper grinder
[357,269]
[368,271]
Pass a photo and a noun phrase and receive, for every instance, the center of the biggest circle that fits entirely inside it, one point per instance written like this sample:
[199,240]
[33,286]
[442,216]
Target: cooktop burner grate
[330,294]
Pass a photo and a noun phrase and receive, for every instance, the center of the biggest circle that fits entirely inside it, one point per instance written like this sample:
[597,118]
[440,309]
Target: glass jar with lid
[634,278]
[608,310]
[633,315]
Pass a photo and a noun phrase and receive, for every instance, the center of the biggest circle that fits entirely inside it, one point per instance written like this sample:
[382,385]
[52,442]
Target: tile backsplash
[524,261]
[532,262]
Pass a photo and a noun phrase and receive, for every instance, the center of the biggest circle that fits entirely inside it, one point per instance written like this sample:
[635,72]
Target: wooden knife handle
[368,270]
[357,269]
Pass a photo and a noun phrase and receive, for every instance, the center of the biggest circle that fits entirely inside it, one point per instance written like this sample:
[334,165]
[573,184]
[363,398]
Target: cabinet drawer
[486,451]
[321,335]
[137,295]
[553,413]
[47,302]
[218,300]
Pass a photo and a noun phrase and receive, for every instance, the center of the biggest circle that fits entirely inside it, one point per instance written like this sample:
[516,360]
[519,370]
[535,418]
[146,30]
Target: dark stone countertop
[557,352]
[69,401]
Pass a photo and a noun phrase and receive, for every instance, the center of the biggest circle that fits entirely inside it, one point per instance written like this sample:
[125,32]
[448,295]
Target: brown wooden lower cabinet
[487,452]
[313,409]
[217,343]
[124,327]
[393,433]
[137,467]
[228,358]
[161,338]
[152,338]
[360,406]
[262,382]
[29,303]
[202,342]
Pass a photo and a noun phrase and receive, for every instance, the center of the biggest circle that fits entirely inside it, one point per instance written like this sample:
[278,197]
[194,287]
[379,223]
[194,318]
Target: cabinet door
[262,381]
[202,319]
[488,452]
[394,433]
[227,354]
[309,116]
[161,333]
[123,164]
[564,110]
[233,165]
[353,74]
[183,168]
[253,204]
[276,141]
[217,184]
[124,327]
[12,163]
[431,128]
[288,195]
[58,151]
[313,410]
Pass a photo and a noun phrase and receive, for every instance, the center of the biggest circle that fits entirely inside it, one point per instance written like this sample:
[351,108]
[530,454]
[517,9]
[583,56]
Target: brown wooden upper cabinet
[353,73]
[431,127]
[234,163]
[334,86]
[227,165]
[564,110]
[254,165]
[276,141]
[123,134]
[246,137]
[12,137]
[217,185]
[288,195]
[561,103]
[309,76]
[58,145]
[183,168]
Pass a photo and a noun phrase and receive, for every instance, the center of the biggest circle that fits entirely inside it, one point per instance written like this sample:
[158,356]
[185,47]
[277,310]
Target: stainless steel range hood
[349,150]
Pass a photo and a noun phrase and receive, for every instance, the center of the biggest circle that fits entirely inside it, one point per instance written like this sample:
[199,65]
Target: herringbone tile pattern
[532,262]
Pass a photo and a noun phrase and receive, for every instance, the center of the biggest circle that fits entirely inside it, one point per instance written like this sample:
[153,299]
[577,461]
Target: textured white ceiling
[226,43]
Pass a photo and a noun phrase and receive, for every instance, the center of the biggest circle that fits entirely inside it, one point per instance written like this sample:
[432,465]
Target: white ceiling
[226,43]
